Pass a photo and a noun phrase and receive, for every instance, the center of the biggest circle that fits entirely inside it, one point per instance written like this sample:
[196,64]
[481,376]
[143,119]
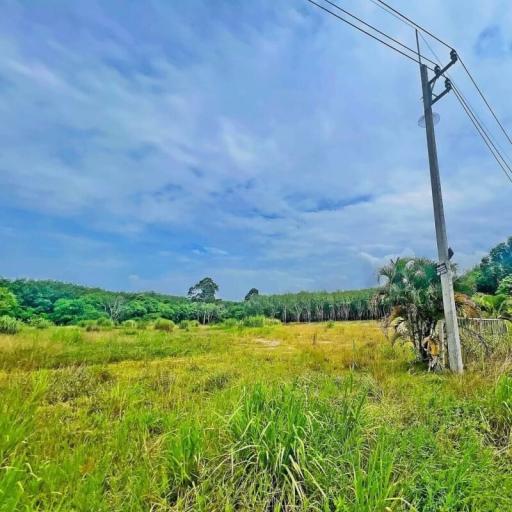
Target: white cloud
[227,136]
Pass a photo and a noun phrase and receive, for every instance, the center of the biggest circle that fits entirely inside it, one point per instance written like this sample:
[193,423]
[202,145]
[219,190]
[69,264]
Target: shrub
[90,325]
[142,324]
[130,324]
[162,324]
[254,321]
[105,322]
[273,321]
[70,335]
[186,325]
[9,325]
[40,323]
[229,323]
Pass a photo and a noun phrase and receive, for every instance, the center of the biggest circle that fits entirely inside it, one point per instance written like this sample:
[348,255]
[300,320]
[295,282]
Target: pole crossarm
[441,71]
[448,88]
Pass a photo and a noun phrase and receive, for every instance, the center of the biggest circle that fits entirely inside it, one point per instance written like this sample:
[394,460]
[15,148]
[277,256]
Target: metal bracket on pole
[448,88]
[438,71]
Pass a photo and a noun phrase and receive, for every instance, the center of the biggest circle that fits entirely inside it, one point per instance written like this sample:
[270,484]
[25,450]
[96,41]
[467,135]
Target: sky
[145,145]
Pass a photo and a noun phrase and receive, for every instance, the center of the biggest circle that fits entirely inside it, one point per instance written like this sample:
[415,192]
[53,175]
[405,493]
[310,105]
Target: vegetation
[493,269]
[490,285]
[304,417]
[204,290]
[253,292]
[67,304]
[412,293]
[9,325]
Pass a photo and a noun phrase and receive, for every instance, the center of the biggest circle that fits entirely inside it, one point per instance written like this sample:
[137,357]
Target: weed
[9,325]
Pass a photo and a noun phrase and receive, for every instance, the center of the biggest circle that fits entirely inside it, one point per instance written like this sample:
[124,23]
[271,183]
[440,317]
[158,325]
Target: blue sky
[145,145]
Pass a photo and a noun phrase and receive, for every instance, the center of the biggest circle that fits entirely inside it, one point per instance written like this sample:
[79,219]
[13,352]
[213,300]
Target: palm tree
[411,291]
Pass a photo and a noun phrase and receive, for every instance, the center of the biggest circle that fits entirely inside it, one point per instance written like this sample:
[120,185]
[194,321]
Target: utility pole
[443,251]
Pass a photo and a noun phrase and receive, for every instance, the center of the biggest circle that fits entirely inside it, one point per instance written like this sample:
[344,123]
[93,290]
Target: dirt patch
[268,343]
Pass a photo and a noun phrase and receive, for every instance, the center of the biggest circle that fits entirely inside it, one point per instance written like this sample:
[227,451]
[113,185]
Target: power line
[411,22]
[483,135]
[378,31]
[375,2]
[485,100]
[482,130]
[365,32]
[399,15]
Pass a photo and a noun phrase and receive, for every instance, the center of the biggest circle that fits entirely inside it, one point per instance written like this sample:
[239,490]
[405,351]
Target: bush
[105,322]
[9,325]
[130,324]
[162,324]
[40,323]
[92,326]
[229,323]
[142,324]
[254,321]
[186,325]
[273,321]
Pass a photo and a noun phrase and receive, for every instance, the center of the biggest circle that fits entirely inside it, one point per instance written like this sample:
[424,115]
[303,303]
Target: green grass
[321,417]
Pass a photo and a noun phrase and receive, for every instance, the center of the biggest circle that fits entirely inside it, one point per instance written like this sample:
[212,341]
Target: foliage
[67,304]
[188,324]
[204,290]
[254,321]
[253,292]
[505,286]
[495,306]
[40,323]
[222,420]
[8,302]
[162,324]
[412,292]
[9,325]
[105,322]
[495,267]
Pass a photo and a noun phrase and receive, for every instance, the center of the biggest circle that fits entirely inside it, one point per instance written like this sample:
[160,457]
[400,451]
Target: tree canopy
[204,290]
[253,292]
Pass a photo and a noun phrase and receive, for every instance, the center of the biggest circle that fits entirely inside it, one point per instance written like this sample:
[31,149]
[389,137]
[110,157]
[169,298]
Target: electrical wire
[479,126]
[485,100]
[484,137]
[411,22]
[477,122]
[378,31]
[366,32]
[399,15]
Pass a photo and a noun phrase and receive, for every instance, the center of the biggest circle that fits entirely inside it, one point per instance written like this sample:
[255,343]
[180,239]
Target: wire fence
[481,339]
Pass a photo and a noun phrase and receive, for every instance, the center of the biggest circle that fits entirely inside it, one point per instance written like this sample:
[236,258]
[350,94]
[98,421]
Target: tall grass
[217,419]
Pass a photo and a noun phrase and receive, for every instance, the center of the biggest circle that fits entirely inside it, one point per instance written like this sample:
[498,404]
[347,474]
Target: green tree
[8,302]
[69,311]
[505,286]
[495,267]
[253,292]
[412,293]
[204,290]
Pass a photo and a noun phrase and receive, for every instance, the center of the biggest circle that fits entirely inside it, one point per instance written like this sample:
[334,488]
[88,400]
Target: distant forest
[29,300]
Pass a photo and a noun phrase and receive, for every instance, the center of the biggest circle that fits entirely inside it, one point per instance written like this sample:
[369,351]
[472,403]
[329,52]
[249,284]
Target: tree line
[67,304]
[489,284]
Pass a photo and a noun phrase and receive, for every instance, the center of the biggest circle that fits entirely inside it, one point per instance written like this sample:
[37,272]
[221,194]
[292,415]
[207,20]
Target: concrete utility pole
[444,270]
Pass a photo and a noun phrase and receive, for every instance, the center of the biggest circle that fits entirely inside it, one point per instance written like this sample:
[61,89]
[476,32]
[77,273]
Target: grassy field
[325,417]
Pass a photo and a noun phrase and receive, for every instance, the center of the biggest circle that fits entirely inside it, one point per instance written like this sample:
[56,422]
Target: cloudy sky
[145,145]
